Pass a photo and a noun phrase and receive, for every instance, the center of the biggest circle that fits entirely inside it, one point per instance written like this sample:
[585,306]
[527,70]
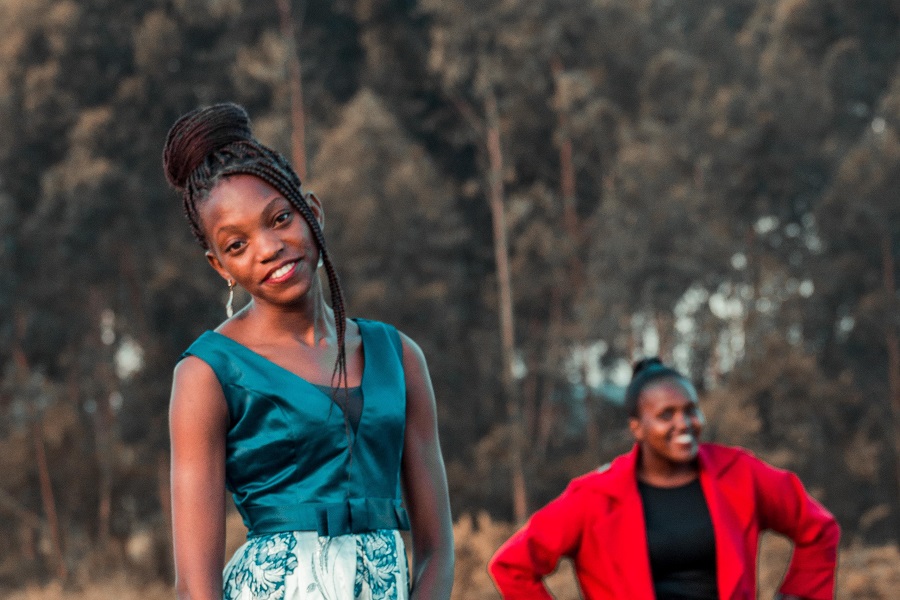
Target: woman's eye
[234,246]
[282,217]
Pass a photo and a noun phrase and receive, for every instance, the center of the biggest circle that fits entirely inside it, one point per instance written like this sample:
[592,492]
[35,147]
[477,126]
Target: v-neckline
[316,386]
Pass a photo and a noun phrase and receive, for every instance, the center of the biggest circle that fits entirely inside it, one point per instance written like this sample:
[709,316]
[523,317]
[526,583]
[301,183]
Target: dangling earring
[229,306]
[320,263]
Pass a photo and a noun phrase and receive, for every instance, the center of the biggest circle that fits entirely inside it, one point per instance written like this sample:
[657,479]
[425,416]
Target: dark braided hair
[210,143]
[646,371]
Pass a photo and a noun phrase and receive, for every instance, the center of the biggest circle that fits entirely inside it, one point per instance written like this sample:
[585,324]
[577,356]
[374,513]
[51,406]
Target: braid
[208,144]
[280,180]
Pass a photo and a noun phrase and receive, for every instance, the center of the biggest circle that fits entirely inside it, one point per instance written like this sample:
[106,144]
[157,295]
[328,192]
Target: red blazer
[598,521]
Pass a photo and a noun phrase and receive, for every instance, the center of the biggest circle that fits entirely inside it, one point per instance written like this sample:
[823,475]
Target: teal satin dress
[321,501]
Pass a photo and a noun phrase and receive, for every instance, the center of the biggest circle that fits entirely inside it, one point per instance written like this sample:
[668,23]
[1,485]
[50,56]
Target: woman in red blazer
[673,518]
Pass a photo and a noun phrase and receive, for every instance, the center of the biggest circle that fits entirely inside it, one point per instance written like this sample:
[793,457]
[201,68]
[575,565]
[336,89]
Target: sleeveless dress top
[321,500]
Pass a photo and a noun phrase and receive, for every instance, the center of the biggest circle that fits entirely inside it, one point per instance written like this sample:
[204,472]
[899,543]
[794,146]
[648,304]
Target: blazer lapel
[727,526]
[627,531]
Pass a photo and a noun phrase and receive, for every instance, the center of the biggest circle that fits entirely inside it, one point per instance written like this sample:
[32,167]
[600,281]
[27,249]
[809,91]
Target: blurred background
[537,191]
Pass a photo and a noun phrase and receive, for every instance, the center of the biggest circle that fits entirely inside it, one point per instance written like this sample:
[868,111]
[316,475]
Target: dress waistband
[355,515]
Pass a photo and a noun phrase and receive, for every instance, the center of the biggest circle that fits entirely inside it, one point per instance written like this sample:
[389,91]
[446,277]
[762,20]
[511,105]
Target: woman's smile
[282,273]
[670,422]
[685,438]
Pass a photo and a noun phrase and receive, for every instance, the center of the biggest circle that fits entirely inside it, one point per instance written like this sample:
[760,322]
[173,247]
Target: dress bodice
[291,462]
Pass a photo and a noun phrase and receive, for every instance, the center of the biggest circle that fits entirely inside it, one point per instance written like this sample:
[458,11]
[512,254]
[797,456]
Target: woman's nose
[270,247]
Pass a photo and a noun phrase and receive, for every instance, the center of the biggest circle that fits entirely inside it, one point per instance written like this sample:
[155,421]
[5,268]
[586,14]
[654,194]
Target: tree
[862,220]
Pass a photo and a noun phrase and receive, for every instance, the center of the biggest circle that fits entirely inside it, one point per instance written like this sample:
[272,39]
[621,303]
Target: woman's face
[259,240]
[669,422]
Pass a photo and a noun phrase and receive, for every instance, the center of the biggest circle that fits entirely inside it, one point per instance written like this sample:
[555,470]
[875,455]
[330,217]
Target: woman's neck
[310,323]
[659,472]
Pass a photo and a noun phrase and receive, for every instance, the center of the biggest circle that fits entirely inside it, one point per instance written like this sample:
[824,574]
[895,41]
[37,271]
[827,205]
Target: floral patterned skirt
[303,565]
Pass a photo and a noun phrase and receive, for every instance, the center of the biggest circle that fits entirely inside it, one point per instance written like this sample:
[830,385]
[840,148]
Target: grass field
[864,572]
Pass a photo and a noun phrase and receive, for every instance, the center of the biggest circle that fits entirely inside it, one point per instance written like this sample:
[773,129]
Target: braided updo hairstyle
[210,143]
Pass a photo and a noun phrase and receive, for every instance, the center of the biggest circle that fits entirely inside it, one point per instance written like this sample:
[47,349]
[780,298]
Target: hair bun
[645,364]
[198,134]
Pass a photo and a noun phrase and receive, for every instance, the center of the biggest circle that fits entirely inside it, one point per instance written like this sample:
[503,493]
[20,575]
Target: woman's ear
[316,206]
[213,261]
[634,425]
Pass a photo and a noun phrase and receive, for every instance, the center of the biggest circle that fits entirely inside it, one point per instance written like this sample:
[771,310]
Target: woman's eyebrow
[269,207]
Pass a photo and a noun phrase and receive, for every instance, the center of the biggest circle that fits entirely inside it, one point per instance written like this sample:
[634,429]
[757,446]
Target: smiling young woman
[674,519]
[323,428]
[259,241]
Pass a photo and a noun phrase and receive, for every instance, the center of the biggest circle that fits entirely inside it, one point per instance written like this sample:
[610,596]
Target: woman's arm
[519,565]
[786,507]
[425,483]
[198,418]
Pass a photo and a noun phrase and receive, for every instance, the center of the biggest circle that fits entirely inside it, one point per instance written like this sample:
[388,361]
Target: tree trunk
[630,346]
[754,277]
[550,343]
[103,448]
[893,344]
[665,332]
[48,499]
[37,430]
[572,225]
[531,401]
[295,81]
[504,284]
[104,383]
[573,275]
[714,368]
[553,351]
[566,165]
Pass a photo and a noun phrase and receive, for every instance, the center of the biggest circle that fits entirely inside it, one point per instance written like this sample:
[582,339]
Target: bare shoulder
[195,374]
[420,401]
[191,367]
[414,363]
[196,391]
[410,348]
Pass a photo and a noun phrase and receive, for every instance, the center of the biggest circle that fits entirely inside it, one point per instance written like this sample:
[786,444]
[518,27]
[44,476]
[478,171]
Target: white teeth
[282,271]
[684,438]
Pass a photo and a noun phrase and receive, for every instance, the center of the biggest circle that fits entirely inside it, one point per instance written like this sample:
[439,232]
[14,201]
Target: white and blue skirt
[303,565]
